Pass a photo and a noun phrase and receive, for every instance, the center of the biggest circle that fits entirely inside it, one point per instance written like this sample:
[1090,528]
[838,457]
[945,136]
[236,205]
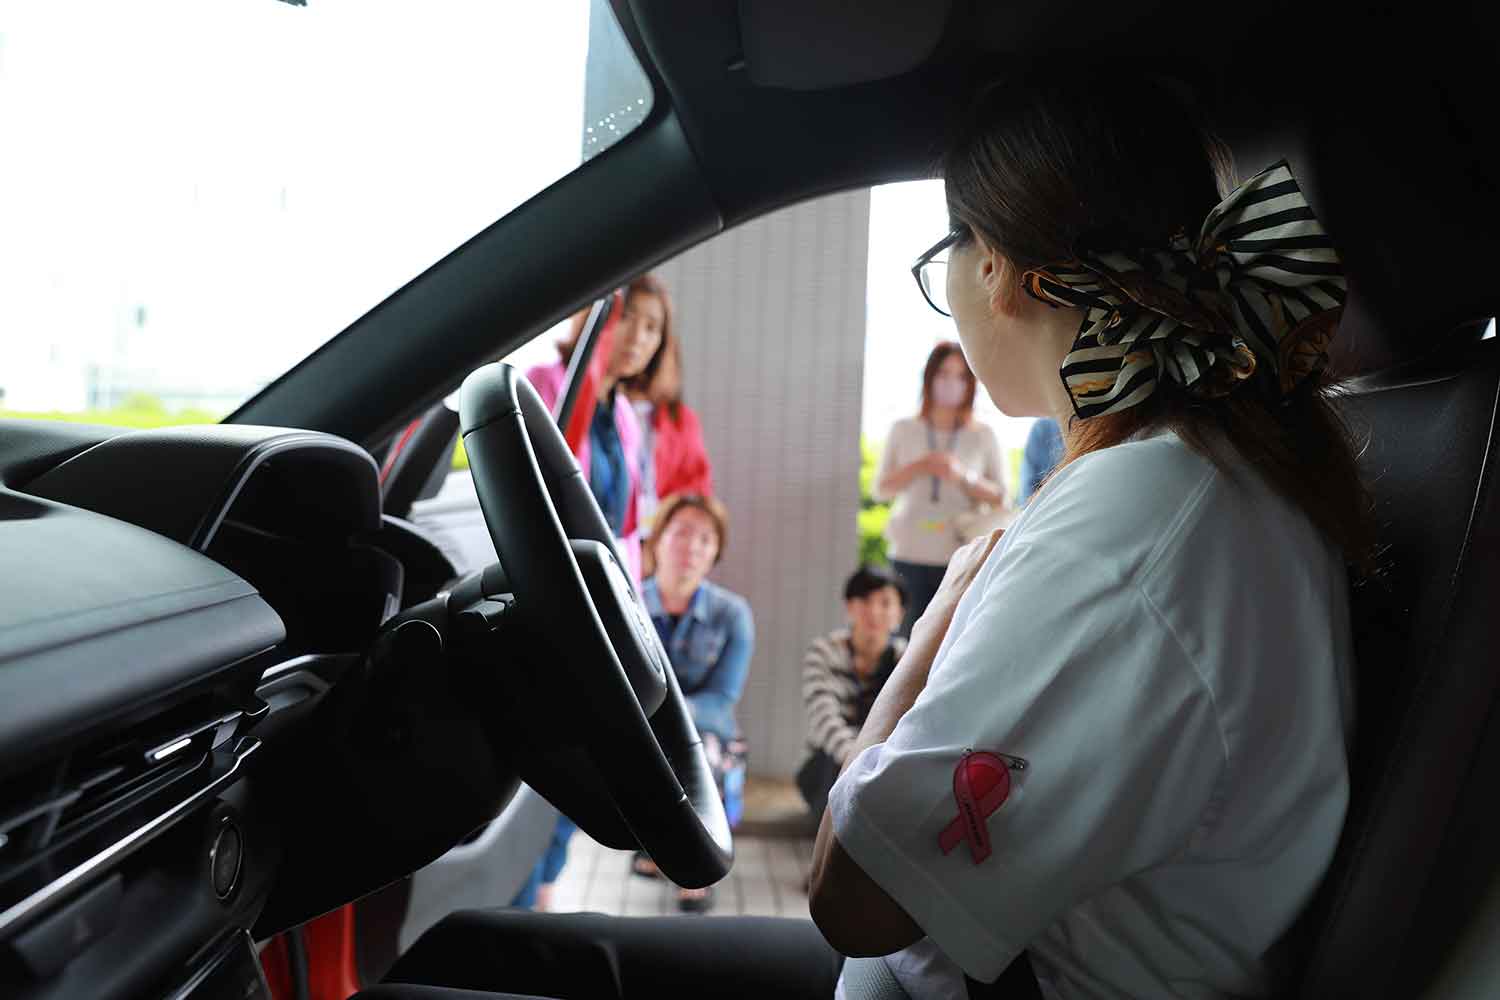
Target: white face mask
[947,391]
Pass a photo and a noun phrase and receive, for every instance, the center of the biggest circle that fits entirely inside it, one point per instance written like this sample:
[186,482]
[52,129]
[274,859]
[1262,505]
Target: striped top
[836,698]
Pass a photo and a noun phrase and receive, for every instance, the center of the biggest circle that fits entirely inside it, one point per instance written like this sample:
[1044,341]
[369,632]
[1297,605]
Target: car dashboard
[175,778]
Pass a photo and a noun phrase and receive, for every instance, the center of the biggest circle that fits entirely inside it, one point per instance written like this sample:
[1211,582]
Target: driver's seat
[1419,841]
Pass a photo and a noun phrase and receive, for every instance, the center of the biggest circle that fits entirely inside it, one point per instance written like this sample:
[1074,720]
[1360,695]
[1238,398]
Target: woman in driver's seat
[1117,741]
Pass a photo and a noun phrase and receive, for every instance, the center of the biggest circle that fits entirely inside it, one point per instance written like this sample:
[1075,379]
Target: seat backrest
[1427,631]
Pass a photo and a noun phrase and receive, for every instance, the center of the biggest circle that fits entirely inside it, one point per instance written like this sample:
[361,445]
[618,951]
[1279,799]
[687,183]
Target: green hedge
[138,412]
[873,515]
[143,412]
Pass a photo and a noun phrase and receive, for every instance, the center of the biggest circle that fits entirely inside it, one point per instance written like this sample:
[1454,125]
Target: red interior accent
[332,969]
[396,448]
[577,430]
[278,968]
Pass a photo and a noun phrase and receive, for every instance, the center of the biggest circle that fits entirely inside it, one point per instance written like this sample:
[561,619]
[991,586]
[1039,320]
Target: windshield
[198,195]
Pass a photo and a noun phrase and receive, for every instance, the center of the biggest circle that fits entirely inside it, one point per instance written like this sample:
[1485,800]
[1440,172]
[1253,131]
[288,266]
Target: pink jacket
[548,380]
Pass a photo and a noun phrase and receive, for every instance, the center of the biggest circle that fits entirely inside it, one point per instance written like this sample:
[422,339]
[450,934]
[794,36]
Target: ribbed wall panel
[772,319]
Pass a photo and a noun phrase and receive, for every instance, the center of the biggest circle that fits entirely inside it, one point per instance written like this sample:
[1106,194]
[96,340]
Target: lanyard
[937,484]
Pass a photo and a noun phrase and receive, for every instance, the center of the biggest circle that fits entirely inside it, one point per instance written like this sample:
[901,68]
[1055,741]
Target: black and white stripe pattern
[831,693]
[1260,289]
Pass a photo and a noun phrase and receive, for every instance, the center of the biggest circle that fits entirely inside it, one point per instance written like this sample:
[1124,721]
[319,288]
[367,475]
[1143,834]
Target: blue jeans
[548,866]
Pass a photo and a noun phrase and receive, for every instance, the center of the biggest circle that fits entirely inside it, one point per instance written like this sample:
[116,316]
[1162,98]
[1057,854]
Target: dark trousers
[815,780]
[921,584]
[589,956]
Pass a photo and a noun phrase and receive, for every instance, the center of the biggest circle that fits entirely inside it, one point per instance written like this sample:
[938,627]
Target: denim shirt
[710,652]
[609,477]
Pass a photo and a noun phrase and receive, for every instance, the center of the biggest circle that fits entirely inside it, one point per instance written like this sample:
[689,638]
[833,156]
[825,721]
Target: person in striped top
[842,673]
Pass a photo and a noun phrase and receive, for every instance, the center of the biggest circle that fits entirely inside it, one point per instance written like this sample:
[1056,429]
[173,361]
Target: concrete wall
[772,319]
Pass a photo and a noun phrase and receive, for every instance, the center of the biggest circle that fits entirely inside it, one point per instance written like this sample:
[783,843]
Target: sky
[254,175]
[202,193]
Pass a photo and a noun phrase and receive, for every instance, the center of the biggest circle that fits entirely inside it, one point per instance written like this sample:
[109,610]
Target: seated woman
[709,634]
[1118,740]
[843,672]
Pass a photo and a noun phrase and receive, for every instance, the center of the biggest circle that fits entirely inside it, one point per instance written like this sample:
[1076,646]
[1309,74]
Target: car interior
[238,689]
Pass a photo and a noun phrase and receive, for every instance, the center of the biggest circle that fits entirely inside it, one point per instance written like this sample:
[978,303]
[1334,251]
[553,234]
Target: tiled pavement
[766,880]
[772,851]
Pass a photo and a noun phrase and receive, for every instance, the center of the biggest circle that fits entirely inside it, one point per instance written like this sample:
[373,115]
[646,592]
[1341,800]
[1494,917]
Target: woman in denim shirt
[709,634]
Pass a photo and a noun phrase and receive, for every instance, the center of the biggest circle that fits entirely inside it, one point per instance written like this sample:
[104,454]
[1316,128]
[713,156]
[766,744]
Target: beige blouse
[921,528]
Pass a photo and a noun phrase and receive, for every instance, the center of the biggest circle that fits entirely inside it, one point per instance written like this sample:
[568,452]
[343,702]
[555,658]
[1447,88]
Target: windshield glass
[198,195]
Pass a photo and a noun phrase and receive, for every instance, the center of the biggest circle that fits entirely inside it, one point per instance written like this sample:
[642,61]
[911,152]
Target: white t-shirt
[1167,647]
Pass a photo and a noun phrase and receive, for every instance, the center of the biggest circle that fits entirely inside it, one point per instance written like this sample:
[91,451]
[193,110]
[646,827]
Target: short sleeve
[1064,663]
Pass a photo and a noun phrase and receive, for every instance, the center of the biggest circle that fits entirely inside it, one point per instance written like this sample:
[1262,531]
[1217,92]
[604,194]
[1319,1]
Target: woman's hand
[962,569]
[944,465]
[851,910]
[930,464]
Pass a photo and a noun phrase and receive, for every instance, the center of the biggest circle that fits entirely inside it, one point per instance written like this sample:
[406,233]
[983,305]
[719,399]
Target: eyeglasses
[931,272]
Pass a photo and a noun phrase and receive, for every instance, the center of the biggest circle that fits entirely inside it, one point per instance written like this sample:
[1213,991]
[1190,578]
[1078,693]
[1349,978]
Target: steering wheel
[570,588]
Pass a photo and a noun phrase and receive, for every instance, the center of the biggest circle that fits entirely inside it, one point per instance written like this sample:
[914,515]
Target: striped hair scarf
[1261,289]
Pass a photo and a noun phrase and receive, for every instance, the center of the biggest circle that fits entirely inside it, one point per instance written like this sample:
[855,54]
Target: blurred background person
[842,673]
[605,437]
[942,469]
[709,634]
[610,452]
[673,458]
[1044,449]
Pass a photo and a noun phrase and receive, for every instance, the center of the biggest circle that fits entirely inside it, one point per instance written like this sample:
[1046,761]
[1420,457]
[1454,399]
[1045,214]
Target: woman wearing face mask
[938,467]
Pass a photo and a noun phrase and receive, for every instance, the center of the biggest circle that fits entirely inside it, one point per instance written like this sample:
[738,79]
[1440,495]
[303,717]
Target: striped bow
[1260,289]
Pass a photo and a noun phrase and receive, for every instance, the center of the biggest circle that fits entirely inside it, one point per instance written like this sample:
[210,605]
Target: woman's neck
[607,385]
[943,418]
[676,593]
